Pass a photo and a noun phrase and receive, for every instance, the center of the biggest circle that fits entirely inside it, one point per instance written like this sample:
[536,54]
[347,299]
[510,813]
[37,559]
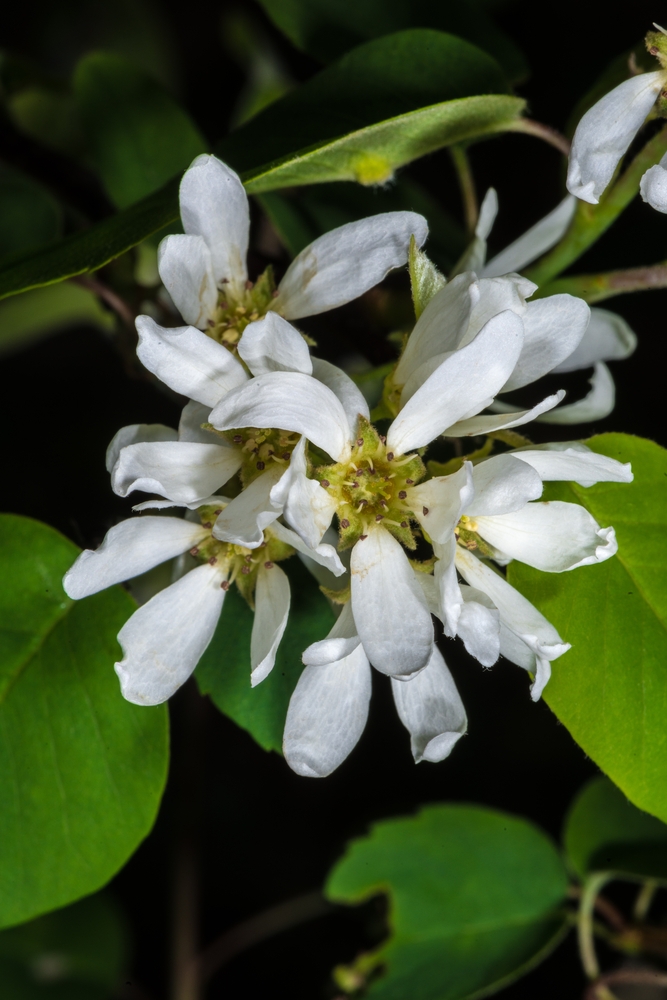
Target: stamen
[286,456]
[194,551]
[261,465]
[409,482]
[245,570]
[362,538]
[390,456]
[360,442]
[379,517]
[345,523]
[218,511]
[402,494]
[225,585]
[237,439]
[268,565]
[213,560]
[325,484]
[404,524]
[424,511]
[207,524]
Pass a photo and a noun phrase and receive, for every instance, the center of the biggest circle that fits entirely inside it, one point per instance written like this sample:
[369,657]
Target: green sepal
[425,279]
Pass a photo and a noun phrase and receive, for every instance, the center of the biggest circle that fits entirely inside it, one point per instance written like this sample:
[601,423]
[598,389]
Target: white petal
[487,423]
[178,470]
[134,434]
[479,626]
[495,296]
[552,536]
[553,329]
[243,521]
[441,326]
[188,361]
[165,504]
[193,415]
[341,641]
[272,602]
[515,649]
[323,554]
[186,269]
[429,589]
[164,640]
[323,575]
[214,205]
[605,132]
[653,186]
[351,397]
[130,548]
[430,708]
[439,502]
[487,215]
[595,406]
[501,486]
[465,380]
[272,344]
[608,338]
[534,242]
[449,590]
[583,467]
[292,401]
[388,605]
[307,508]
[327,715]
[346,262]
[474,256]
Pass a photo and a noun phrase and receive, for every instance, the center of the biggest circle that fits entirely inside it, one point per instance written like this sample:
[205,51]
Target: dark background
[265,835]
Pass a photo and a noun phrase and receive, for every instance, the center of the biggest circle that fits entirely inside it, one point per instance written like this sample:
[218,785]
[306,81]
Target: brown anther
[286,456]
[363,503]
[355,485]
[213,560]
[207,524]
[345,523]
[402,494]
[274,294]
[237,439]
[390,456]
[268,565]
[261,465]
[245,570]
[225,584]
[248,285]
[360,441]
[424,511]
[211,322]
[379,517]
[248,558]
[218,511]
[384,441]
[383,503]
[404,524]
[325,484]
[409,482]
[194,551]
[362,538]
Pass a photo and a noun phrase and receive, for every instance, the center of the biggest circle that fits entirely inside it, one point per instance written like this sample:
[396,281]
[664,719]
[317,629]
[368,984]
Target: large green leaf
[414,85]
[474,900]
[81,770]
[139,137]
[326,29]
[29,215]
[224,669]
[605,832]
[72,954]
[610,689]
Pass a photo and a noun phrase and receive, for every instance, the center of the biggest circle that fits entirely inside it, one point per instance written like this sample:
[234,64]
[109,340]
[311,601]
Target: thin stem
[112,299]
[467,186]
[591,221]
[644,900]
[545,132]
[640,977]
[587,902]
[258,928]
[185,981]
[604,907]
[597,287]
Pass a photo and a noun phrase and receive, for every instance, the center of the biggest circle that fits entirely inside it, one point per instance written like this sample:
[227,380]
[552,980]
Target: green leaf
[474,898]
[81,770]
[72,954]
[139,137]
[605,832]
[224,669]
[43,311]
[326,29]
[610,689]
[29,215]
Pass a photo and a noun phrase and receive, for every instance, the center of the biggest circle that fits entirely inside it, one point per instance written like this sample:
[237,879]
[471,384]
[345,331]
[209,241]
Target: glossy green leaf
[81,770]
[224,669]
[43,311]
[29,215]
[139,137]
[72,954]
[605,832]
[474,901]
[610,689]
[326,29]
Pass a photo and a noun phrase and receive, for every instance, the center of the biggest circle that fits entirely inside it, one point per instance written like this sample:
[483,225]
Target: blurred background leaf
[29,215]
[44,311]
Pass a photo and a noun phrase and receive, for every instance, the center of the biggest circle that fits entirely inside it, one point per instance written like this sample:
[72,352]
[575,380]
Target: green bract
[81,770]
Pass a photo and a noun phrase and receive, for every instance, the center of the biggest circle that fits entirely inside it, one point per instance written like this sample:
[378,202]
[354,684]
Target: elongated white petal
[214,205]
[552,536]
[219,501]
[307,508]
[534,242]
[243,521]
[323,554]
[449,590]
[439,502]
[488,211]
[272,603]
[608,338]
[341,641]
[134,434]
[388,606]
[178,470]
[292,401]
[130,548]
[186,269]
[441,326]
[188,361]
[479,626]
[495,296]
[604,133]
[430,708]
[327,714]
[351,397]
[487,423]
[517,651]
[474,256]
[583,467]
[501,486]
[346,262]
[597,405]
[193,415]
[164,640]
[429,589]
[653,186]
[553,329]
[469,377]
[272,344]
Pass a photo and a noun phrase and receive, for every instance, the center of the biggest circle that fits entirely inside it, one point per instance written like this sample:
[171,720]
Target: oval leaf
[81,770]
[474,899]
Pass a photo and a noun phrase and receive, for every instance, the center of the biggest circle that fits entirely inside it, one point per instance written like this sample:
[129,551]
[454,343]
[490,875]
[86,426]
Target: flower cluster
[276,454]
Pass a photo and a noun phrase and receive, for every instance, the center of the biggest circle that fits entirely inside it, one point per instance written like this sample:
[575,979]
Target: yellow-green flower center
[236,308]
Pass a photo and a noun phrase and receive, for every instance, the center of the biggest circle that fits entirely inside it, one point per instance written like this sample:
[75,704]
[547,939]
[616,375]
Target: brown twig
[112,299]
[545,132]
[640,977]
[604,907]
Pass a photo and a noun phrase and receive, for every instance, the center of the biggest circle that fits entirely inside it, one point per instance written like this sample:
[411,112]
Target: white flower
[204,270]
[653,186]
[164,639]
[329,707]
